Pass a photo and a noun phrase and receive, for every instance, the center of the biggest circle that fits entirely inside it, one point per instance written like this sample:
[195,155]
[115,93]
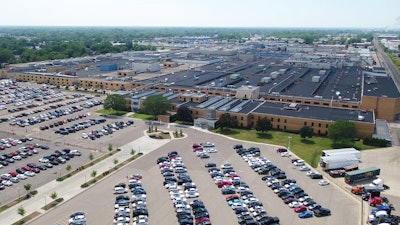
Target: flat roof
[381,87]
[314,112]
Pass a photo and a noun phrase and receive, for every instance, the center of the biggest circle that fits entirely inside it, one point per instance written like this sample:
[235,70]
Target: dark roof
[314,112]
[381,87]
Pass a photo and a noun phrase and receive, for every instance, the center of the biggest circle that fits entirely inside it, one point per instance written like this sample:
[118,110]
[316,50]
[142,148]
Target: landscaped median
[116,167]
[105,156]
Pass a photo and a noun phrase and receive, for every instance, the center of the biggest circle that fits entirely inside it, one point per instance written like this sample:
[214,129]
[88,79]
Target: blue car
[306,214]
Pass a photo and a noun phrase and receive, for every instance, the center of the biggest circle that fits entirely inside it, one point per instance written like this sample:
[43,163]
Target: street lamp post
[289,142]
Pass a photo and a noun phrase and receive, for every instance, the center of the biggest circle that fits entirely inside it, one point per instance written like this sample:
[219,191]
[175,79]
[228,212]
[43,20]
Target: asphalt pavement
[71,187]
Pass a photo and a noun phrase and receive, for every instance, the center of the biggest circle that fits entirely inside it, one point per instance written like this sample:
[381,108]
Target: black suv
[322,212]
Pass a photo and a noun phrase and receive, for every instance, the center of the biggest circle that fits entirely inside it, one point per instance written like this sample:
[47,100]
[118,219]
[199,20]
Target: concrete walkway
[71,187]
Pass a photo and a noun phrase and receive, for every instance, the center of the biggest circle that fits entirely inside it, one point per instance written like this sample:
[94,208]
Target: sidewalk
[71,187]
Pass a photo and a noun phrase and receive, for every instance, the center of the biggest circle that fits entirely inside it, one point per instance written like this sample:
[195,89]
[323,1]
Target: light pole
[289,142]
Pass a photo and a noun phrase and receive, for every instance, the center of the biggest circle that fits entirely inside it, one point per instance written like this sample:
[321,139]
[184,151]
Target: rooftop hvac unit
[234,76]
[274,75]
[315,79]
[282,71]
[322,72]
[266,80]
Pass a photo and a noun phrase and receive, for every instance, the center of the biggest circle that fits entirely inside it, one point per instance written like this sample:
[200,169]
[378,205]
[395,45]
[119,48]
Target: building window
[345,106]
[312,124]
[319,125]
[316,103]
[326,125]
[285,121]
[241,118]
[307,102]
[272,119]
[305,123]
[284,127]
[326,104]
[279,120]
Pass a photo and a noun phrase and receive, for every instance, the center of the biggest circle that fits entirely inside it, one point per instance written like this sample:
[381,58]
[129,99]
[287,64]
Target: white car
[299,162]
[226,166]
[17,157]
[295,204]
[212,150]
[120,190]
[14,179]
[304,168]
[323,182]
[44,160]
[30,173]
[309,173]
[7,183]
[192,194]
[123,209]
[78,217]
[21,176]
[85,136]
[286,154]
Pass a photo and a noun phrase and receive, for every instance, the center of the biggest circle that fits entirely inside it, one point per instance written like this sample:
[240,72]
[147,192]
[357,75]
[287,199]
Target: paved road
[100,210]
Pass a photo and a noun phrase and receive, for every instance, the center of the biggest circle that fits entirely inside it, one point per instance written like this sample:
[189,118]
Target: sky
[203,13]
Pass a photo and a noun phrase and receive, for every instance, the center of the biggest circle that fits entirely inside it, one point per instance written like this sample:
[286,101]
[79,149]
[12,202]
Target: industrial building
[300,85]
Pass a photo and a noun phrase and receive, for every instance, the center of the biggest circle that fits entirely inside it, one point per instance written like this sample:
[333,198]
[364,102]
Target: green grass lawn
[112,112]
[395,60]
[307,149]
[143,116]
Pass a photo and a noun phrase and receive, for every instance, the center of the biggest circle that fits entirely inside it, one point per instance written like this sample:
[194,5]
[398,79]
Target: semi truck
[362,174]
[343,151]
[338,162]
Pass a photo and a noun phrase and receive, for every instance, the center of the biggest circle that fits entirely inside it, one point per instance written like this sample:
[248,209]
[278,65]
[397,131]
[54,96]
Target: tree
[342,131]
[93,174]
[53,195]
[156,105]
[115,102]
[68,168]
[226,121]
[184,114]
[91,156]
[21,211]
[110,148]
[306,131]
[115,161]
[263,125]
[27,187]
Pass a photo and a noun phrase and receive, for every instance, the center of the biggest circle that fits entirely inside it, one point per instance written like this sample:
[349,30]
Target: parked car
[323,182]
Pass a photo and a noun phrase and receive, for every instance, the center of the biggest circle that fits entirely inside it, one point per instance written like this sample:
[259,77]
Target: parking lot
[160,207]
[161,210]
[31,122]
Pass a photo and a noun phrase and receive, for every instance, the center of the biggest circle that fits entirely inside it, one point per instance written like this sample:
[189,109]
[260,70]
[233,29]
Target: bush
[60,179]
[84,185]
[374,141]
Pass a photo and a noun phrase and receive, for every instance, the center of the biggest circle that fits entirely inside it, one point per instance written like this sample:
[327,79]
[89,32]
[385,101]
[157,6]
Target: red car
[224,183]
[300,209]
[231,197]
[198,149]
[14,153]
[27,168]
[30,147]
[36,170]
[13,173]
[196,145]
[2,147]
